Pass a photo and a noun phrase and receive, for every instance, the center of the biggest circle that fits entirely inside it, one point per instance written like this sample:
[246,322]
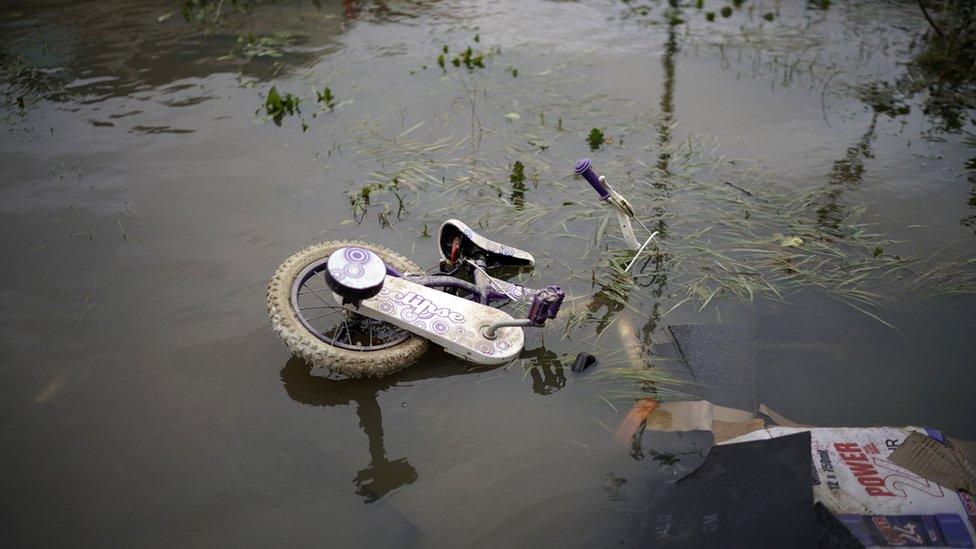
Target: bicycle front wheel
[315,327]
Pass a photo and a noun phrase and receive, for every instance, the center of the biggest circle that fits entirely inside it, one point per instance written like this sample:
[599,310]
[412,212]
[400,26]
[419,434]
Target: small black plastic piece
[584,361]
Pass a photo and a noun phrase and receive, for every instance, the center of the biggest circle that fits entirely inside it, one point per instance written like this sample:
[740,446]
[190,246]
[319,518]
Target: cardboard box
[883,504]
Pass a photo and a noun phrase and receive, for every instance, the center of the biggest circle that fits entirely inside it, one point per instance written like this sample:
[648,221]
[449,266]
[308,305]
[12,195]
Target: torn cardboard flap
[701,415]
[693,415]
[726,430]
[778,418]
[942,463]
[686,415]
[967,448]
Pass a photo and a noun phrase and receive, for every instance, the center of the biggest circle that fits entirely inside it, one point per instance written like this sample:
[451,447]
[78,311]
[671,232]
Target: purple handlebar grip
[584,168]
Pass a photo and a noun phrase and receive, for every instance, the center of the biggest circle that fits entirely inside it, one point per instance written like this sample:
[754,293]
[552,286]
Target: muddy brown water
[146,200]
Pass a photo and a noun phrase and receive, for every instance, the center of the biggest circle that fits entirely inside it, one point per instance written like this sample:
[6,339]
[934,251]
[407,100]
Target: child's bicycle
[359,309]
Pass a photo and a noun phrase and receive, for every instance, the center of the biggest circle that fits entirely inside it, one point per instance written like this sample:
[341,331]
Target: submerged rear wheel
[306,316]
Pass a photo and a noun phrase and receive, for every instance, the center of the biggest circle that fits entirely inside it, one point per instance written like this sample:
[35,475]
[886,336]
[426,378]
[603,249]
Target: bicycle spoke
[349,330]
[321,315]
[316,294]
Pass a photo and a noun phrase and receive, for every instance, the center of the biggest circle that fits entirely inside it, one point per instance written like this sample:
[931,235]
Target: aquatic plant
[595,139]
[470,59]
[674,18]
[359,200]
[652,380]
[272,45]
[883,98]
[277,106]
[726,11]
[211,14]
[23,85]
[518,173]
[944,71]
[326,98]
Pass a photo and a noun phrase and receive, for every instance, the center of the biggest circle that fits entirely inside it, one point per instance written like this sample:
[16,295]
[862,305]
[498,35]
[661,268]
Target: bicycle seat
[473,245]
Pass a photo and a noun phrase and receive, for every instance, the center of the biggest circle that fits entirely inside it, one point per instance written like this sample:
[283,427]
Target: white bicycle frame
[625,212]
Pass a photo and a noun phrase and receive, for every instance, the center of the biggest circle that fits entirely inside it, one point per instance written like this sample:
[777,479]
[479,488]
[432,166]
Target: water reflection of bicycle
[382,475]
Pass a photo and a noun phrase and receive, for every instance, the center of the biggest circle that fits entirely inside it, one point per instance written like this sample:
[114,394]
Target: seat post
[481,280]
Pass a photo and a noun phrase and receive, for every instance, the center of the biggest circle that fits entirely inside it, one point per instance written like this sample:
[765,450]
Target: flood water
[146,199]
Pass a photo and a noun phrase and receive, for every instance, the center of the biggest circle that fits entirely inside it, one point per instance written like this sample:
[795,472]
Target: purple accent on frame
[584,168]
[391,271]
[479,294]
[443,281]
[496,296]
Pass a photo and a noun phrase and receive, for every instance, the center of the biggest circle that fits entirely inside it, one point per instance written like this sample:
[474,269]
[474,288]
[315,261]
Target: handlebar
[584,168]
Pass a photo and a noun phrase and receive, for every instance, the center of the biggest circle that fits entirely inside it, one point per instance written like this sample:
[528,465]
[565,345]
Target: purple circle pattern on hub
[357,268]
[355,273]
[356,255]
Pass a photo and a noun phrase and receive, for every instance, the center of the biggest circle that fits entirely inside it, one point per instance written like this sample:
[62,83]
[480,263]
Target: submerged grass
[729,231]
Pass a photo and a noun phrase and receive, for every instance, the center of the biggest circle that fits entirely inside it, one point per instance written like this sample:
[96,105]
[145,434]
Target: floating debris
[792,242]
